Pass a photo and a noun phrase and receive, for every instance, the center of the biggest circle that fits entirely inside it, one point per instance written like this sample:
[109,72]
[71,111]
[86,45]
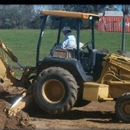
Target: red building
[111,21]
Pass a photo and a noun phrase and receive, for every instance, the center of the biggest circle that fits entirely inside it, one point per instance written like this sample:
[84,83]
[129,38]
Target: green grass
[23,43]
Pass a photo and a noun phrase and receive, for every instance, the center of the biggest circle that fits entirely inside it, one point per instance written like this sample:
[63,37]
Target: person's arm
[59,46]
[63,44]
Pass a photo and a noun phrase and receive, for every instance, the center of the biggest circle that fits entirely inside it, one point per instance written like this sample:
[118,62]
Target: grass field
[23,43]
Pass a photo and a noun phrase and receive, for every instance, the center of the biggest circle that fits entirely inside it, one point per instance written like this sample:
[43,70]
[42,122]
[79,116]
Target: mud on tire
[55,90]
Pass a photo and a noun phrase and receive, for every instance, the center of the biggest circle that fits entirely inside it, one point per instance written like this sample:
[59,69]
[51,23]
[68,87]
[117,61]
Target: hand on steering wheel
[87,45]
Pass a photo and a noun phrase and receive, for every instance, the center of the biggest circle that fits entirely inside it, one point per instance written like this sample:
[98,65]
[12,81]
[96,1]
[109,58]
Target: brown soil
[92,116]
[21,120]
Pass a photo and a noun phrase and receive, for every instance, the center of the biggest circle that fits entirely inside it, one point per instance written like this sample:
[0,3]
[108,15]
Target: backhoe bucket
[19,104]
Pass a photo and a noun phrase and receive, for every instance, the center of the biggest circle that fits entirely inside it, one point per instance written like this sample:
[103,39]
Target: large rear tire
[122,108]
[55,90]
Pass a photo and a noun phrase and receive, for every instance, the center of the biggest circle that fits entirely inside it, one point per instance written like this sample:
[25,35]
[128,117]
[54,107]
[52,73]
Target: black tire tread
[124,96]
[68,78]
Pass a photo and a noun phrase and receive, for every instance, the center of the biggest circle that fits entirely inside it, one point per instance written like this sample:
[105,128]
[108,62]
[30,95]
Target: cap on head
[66,28]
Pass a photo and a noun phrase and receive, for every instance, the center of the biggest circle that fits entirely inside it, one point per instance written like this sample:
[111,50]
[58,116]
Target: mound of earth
[21,120]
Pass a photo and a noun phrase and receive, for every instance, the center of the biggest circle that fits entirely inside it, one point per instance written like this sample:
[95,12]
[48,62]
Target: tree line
[27,16]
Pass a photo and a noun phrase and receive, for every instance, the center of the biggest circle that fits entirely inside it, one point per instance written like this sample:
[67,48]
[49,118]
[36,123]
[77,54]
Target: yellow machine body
[113,82]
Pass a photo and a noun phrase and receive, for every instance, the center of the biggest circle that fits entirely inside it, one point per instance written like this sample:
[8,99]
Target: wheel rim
[53,91]
[125,109]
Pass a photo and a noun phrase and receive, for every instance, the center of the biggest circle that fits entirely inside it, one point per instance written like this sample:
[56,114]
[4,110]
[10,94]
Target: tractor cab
[86,58]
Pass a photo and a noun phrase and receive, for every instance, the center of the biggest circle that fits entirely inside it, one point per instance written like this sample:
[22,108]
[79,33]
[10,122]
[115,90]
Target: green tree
[15,15]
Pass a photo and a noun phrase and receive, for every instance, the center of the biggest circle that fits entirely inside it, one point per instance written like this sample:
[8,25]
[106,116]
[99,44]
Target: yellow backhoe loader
[65,78]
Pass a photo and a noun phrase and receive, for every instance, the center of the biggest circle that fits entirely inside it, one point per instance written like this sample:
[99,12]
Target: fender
[72,65]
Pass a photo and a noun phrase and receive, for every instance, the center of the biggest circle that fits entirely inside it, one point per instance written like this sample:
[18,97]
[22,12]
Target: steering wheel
[88,45]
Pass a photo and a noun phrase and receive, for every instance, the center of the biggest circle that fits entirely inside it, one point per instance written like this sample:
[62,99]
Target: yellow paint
[95,91]
[60,13]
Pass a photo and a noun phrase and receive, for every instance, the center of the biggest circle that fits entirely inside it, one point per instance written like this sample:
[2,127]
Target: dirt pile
[7,97]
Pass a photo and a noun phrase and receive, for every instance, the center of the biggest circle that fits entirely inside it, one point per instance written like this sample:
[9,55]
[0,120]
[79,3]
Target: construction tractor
[67,77]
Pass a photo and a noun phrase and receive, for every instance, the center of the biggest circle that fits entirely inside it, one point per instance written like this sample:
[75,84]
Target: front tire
[122,108]
[55,90]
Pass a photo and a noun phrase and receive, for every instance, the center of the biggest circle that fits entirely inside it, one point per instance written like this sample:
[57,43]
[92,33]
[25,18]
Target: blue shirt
[69,42]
